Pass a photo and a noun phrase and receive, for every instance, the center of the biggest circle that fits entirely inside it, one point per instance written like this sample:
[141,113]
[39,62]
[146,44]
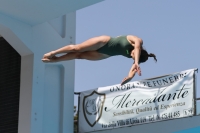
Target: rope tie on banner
[77,93]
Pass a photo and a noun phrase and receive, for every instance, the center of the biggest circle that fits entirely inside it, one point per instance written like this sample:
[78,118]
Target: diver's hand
[126,80]
[137,67]
[49,55]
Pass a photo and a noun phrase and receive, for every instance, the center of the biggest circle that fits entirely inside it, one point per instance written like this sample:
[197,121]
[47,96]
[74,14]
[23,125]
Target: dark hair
[144,56]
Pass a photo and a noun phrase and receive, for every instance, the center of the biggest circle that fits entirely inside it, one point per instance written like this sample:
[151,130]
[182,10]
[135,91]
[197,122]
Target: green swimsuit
[117,46]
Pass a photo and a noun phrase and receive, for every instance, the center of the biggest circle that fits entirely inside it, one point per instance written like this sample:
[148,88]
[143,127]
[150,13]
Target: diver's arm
[131,74]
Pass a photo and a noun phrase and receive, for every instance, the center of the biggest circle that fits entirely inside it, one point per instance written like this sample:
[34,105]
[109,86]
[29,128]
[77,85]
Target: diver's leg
[89,45]
[89,55]
[92,55]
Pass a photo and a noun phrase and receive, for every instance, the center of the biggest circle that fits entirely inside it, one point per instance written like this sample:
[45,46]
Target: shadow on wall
[14,41]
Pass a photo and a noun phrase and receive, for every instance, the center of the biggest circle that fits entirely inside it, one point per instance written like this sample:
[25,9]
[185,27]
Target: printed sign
[157,99]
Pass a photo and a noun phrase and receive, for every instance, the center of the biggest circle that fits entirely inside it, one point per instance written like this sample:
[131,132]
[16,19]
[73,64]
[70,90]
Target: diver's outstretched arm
[137,43]
[131,74]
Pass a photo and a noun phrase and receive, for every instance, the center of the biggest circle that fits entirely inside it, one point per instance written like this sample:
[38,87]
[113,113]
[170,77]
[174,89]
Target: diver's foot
[49,55]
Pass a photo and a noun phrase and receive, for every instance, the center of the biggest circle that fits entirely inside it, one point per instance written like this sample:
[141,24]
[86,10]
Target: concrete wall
[46,92]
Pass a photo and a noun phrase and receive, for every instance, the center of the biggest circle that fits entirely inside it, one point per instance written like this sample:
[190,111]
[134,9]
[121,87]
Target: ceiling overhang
[34,12]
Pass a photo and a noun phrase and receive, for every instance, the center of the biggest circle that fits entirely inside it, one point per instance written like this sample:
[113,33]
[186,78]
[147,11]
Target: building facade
[45,91]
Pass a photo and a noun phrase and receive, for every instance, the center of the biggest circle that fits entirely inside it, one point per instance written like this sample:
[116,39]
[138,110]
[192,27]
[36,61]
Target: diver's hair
[144,56]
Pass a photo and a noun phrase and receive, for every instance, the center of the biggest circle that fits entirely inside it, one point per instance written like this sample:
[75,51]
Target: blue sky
[169,29]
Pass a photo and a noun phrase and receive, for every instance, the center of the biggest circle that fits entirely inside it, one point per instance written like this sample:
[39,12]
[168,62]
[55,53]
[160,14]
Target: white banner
[157,99]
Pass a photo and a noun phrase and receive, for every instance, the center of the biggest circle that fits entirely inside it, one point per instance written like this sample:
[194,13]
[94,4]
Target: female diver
[102,47]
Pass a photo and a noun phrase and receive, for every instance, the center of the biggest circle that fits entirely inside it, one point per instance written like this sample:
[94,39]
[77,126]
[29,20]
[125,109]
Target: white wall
[47,90]
[47,39]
